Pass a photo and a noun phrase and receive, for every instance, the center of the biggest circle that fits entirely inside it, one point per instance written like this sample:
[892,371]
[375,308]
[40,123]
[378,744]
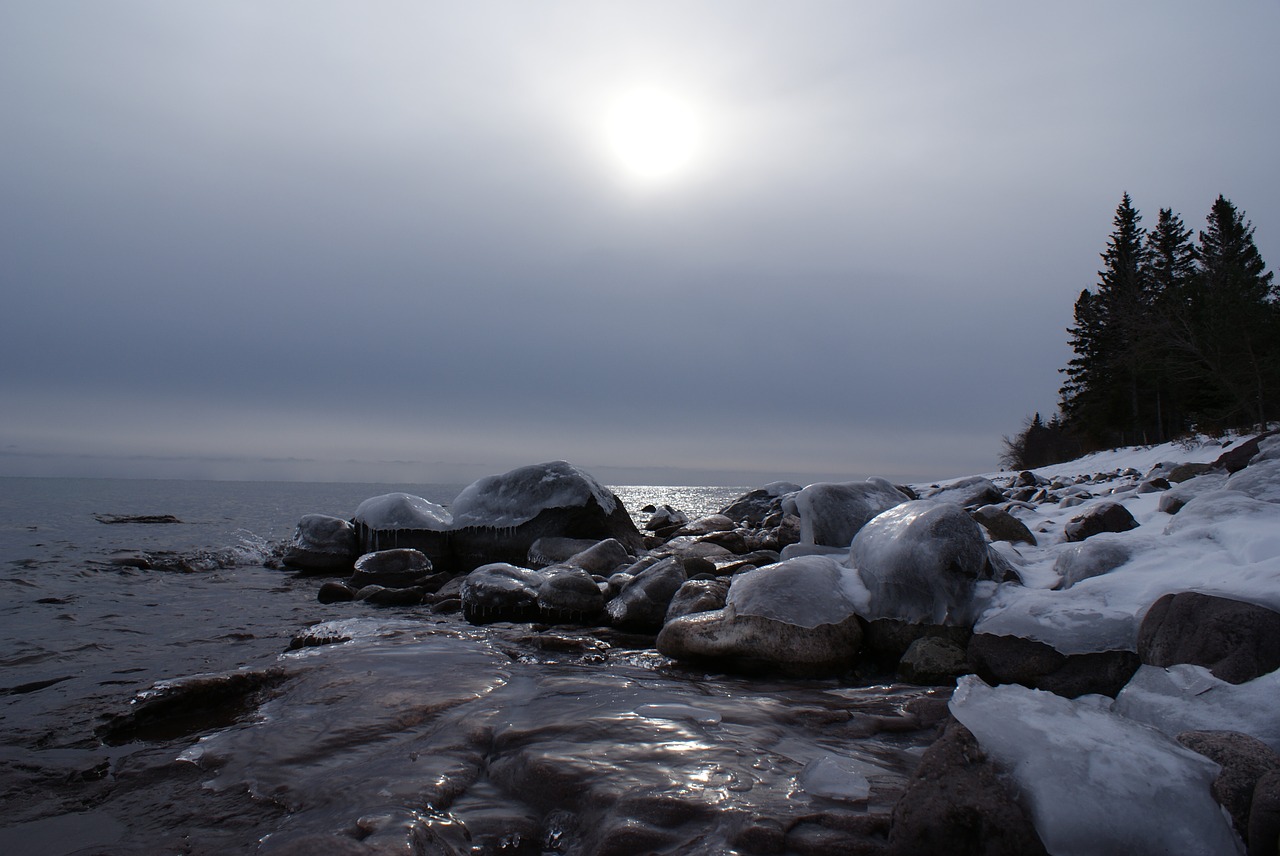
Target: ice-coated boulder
[1096,783]
[832,513]
[322,544]
[403,520]
[569,595]
[698,596]
[920,561]
[971,492]
[799,616]
[1003,526]
[1091,558]
[498,518]
[805,591]
[500,592]
[1260,480]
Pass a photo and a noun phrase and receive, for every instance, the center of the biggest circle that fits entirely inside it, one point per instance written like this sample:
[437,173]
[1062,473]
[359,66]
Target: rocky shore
[1112,635]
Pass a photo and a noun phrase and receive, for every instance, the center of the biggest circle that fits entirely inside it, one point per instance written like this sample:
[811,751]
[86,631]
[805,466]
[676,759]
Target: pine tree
[1171,271]
[1237,321]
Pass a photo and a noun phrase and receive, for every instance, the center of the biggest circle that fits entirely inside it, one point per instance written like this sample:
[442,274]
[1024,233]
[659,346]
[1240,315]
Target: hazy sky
[401,241]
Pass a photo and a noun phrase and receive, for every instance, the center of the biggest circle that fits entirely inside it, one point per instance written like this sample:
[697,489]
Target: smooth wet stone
[336,593]
[398,568]
[752,641]
[1003,526]
[569,595]
[500,592]
[603,557]
[642,603]
[698,596]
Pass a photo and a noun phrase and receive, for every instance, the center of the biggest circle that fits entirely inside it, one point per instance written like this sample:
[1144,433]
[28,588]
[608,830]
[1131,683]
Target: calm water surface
[416,732]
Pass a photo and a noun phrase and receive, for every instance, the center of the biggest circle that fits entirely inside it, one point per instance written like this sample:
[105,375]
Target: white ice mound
[806,591]
[522,494]
[1096,783]
[832,513]
[1189,698]
[920,561]
[402,511]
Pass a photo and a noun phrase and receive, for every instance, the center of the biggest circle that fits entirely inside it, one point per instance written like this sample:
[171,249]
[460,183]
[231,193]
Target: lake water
[418,734]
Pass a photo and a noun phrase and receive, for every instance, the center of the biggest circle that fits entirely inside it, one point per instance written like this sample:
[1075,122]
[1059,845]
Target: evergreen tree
[1171,271]
[1236,325]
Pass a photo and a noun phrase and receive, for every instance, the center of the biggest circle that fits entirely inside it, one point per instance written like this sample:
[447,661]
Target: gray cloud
[301,239]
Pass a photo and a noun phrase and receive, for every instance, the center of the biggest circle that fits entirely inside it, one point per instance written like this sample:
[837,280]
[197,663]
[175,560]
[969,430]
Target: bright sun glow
[654,135]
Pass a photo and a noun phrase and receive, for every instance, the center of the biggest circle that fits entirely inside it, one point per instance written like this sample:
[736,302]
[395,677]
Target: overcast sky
[405,241]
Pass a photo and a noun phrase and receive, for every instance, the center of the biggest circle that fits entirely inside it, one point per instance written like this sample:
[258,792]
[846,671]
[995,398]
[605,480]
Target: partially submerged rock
[322,544]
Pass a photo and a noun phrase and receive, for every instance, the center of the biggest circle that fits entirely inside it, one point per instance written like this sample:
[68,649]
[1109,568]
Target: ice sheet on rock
[1094,782]
[835,777]
[520,495]
[805,591]
[832,513]
[1080,620]
[781,488]
[402,511]
[1189,698]
[1260,480]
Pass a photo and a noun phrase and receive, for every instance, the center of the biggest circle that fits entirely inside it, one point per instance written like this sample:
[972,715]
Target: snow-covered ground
[1103,776]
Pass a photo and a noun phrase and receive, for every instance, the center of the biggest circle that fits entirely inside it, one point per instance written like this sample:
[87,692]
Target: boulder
[321,545]
[568,595]
[397,568]
[698,596]
[960,803]
[1034,664]
[603,557]
[403,520]
[1236,641]
[1264,816]
[1003,526]
[933,660]
[1092,558]
[1104,517]
[1239,456]
[1244,761]
[831,514]
[498,518]
[886,640]
[972,492]
[666,518]
[557,551]
[920,561]
[642,603]
[752,642]
[1186,472]
[500,592]
[752,508]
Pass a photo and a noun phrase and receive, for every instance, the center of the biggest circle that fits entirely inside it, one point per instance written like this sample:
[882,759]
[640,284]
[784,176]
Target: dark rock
[322,544]
[115,519]
[569,595]
[642,603]
[190,705]
[1026,478]
[1237,641]
[1014,660]
[1186,472]
[733,540]
[1003,526]
[603,557]
[707,525]
[1244,761]
[1154,485]
[753,508]
[1238,457]
[1264,817]
[695,565]
[1000,569]
[932,660]
[382,596]
[698,596]
[399,568]
[556,551]
[1104,517]
[335,593]
[886,640]
[958,804]
[665,518]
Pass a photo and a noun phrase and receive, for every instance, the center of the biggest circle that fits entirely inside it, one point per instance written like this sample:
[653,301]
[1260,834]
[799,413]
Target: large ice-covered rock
[1096,783]
[322,544]
[805,591]
[799,616]
[920,561]
[832,513]
[498,518]
[500,592]
[1260,480]
[1091,558]
[403,520]
[971,492]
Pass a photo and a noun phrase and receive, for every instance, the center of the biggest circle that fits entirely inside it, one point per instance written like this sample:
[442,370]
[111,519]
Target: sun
[652,134]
